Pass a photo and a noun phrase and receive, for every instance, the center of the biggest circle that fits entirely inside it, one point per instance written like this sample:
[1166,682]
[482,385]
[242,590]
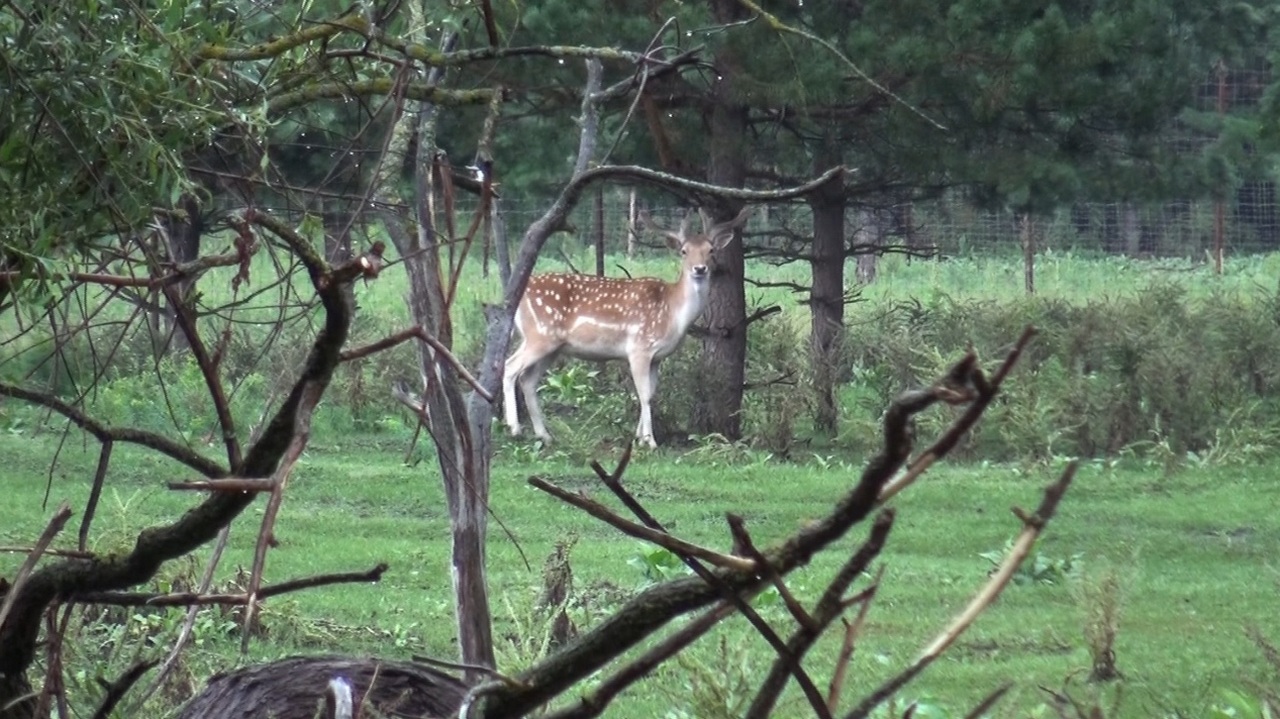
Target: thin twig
[829,607]
[420,333]
[55,525]
[71,553]
[119,688]
[743,545]
[851,631]
[593,704]
[188,622]
[228,484]
[95,493]
[639,531]
[311,395]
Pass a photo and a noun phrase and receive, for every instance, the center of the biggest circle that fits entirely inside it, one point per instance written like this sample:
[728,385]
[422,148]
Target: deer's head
[698,251]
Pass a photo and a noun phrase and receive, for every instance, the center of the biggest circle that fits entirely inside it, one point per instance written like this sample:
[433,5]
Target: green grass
[1195,549]
[1196,552]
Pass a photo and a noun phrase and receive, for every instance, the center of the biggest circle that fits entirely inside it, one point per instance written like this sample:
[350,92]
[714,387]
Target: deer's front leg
[644,373]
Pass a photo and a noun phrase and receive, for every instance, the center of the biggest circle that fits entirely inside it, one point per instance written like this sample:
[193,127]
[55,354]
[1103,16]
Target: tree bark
[868,235]
[462,449]
[722,370]
[826,295]
[183,234]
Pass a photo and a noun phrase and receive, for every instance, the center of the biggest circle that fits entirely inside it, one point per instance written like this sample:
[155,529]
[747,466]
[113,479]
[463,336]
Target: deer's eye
[684,253]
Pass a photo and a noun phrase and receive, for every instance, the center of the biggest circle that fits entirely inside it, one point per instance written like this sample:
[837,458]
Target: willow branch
[278,46]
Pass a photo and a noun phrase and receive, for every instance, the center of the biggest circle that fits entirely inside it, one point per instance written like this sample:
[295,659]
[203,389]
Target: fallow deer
[640,320]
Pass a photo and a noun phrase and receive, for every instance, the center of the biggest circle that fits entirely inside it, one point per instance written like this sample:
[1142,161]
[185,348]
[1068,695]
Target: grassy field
[1191,539]
[1194,552]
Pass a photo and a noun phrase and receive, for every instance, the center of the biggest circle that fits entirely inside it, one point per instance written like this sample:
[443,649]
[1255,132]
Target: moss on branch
[281,45]
[377,86]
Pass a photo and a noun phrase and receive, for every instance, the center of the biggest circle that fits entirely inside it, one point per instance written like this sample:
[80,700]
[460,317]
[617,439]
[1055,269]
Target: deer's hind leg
[525,368]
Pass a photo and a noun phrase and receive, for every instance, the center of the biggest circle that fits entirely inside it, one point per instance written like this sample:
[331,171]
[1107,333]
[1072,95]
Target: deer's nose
[699,270]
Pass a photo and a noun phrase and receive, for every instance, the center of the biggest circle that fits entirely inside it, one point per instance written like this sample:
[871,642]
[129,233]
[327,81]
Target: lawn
[1194,552]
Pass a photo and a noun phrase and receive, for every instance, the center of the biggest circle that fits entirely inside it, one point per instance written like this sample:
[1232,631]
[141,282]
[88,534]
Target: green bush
[1102,376]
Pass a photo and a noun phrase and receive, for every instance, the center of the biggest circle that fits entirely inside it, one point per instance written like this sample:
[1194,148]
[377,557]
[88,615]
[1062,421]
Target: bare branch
[657,605]
[742,544]
[103,433]
[420,333]
[184,599]
[639,531]
[1032,527]
[120,687]
[829,607]
[851,632]
[50,552]
[987,389]
[155,545]
[594,704]
[95,493]
[55,525]
[785,656]
[280,479]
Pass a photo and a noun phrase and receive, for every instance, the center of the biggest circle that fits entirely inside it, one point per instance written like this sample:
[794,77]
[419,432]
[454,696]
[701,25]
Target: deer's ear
[741,219]
[722,238]
[674,241]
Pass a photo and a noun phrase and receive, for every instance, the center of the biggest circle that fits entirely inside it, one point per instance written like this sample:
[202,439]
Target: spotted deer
[640,320]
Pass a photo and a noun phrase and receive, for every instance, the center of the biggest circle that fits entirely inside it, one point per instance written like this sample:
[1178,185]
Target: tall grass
[1149,357]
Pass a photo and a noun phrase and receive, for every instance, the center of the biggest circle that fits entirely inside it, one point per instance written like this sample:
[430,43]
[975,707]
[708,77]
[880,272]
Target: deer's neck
[687,298]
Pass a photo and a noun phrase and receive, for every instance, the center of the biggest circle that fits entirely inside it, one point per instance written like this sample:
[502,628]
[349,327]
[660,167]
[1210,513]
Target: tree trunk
[1131,229]
[867,235]
[826,297]
[462,446]
[184,236]
[722,370]
[462,456]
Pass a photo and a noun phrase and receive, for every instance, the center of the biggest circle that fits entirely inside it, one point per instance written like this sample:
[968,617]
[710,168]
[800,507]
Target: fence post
[1219,204]
[599,217]
[1028,253]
